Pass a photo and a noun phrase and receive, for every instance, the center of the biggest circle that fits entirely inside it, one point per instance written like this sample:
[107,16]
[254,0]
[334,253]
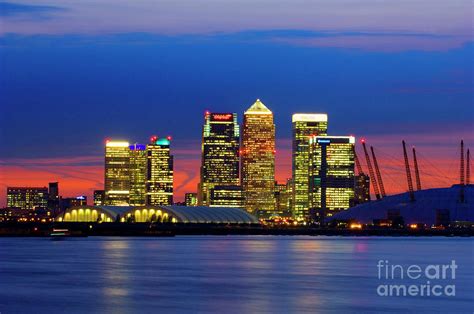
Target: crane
[377,172]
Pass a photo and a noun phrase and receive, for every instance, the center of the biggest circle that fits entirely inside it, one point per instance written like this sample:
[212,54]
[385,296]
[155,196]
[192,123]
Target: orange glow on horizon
[439,167]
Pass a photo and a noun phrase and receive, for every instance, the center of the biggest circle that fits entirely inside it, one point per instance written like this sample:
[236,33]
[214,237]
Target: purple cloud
[378,25]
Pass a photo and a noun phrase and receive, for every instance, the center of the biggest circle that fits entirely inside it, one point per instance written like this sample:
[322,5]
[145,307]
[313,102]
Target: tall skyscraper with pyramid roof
[258,159]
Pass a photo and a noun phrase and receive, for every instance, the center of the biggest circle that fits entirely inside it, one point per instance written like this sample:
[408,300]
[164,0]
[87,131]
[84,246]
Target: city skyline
[283,166]
[407,76]
[241,156]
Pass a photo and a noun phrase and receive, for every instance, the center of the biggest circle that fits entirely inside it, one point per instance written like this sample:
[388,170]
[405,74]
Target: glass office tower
[138,172]
[220,154]
[305,125]
[159,176]
[258,160]
[331,175]
[117,173]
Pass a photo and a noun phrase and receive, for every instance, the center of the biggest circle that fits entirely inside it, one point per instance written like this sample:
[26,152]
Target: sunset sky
[73,73]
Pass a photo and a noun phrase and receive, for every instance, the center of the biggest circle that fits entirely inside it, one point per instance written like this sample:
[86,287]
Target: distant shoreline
[33,229]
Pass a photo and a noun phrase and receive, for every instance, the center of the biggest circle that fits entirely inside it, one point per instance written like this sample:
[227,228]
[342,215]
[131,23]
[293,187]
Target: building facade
[53,197]
[117,173]
[27,198]
[227,196]
[283,198]
[190,199]
[362,189]
[138,172]
[99,197]
[331,175]
[258,159]
[305,126]
[159,173]
[220,154]
[68,202]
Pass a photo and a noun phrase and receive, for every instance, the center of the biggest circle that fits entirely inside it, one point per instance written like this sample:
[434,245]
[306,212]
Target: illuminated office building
[227,196]
[27,198]
[220,154]
[99,198]
[362,189]
[138,173]
[331,175]
[159,176]
[305,125]
[117,173]
[258,159]
[190,199]
[283,198]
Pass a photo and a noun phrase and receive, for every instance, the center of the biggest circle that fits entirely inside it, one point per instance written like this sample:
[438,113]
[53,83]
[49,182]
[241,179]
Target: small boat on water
[60,234]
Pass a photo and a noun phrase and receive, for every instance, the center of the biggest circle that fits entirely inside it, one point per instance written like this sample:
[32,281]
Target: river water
[231,274]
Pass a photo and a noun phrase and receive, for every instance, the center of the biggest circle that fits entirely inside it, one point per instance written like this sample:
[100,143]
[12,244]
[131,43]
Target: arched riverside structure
[429,206]
[173,214]
[87,214]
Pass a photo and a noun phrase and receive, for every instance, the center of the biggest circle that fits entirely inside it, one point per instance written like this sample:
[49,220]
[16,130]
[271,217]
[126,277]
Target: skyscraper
[305,125]
[117,173]
[331,175]
[220,154]
[159,178]
[258,159]
[138,172]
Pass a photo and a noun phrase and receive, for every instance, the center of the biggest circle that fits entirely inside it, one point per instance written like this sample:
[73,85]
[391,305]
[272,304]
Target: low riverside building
[171,214]
[438,206]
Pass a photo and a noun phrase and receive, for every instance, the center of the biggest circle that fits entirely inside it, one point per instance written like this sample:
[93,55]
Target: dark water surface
[233,274]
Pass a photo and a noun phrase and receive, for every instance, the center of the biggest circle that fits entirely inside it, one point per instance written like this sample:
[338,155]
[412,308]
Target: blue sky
[60,89]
